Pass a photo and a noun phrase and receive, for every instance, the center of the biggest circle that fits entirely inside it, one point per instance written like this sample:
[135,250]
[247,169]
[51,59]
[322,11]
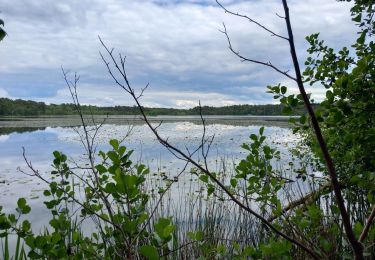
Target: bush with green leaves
[115,200]
[347,119]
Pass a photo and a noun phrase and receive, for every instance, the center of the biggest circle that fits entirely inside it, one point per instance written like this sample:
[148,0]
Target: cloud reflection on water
[40,144]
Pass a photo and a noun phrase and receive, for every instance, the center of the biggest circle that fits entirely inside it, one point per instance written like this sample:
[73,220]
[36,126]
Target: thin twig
[252,21]
[186,157]
[368,225]
[243,58]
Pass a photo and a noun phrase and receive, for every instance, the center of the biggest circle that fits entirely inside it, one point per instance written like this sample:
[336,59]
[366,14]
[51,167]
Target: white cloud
[174,45]
[112,96]
[185,99]
[4,138]
[3,93]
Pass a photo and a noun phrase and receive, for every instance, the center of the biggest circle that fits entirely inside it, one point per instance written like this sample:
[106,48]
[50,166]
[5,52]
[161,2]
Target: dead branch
[243,58]
[252,21]
[305,200]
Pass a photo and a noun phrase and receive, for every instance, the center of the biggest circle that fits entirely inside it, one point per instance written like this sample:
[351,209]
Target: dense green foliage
[347,119]
[114,198]
[347,114]
[20,107]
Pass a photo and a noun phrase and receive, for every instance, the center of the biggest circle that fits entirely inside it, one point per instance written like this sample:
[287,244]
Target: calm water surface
[40,144]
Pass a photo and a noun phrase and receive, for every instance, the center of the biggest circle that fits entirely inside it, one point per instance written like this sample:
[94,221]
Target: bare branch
[252,21]
[304,200]
[160,123]
[243,58]
[366,229]
[203,141]
[281,17]
[142,91]
[187,158]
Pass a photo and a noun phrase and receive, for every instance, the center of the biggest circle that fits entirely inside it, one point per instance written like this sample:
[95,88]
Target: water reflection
[9,130]
[71,120]
[39,144]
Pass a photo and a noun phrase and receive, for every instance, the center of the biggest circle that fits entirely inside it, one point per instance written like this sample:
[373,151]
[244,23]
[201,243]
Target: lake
[40,136]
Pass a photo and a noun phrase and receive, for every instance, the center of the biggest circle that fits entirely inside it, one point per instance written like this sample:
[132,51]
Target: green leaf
[100,168]
[204,178]
[30,241]
[261,130]
[329,95]
[358,18]
[196,236]
[149,251]
[12,218]
[130,226]
[253,137]
[22,206]
[233,182]
[191,235]
[122,150]
[283,100]
[40,241]
[46,193]
[210,189]
[57,154]
[4,222]
[56,237]
[34,255]
[164,228]
[267,150]
[114,143]
[199,235]
[283,90]
[26,225]
[21,202]
[362,38]
[110,188]
[54,223]
[75,236]
[113,156]
[287,110]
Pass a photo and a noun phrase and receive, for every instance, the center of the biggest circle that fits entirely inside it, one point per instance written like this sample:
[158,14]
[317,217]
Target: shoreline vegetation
[19,107]
[26,115]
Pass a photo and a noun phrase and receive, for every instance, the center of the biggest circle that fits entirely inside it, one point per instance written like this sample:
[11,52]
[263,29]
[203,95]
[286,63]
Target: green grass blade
[6,249]
[16,257]
[23,253]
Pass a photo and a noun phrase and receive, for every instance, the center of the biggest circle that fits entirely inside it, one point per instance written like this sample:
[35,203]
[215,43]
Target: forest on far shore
[19,107]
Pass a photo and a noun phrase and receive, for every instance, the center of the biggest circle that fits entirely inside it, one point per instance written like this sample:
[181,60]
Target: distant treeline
[19,107]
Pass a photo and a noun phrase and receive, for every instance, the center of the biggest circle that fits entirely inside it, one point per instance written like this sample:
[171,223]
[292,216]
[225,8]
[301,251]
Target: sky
[174,45]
